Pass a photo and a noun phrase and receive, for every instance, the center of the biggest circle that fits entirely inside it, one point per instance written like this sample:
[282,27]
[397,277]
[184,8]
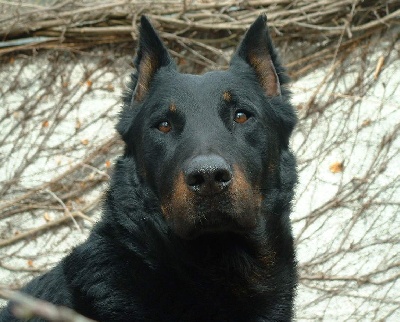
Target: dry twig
[26,307]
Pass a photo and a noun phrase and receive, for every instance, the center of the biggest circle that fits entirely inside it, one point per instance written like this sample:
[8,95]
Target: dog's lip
[213,227]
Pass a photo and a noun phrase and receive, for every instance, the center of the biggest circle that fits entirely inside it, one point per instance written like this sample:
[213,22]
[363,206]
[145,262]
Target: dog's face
[208,146]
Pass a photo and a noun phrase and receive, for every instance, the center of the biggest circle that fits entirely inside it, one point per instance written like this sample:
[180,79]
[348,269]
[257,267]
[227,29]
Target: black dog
[196,220]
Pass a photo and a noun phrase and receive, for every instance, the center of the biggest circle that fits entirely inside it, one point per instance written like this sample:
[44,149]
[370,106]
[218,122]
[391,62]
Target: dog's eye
[164,127]
[241,117]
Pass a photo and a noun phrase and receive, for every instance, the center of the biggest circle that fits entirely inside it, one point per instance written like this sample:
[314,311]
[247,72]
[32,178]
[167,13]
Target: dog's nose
[208,174]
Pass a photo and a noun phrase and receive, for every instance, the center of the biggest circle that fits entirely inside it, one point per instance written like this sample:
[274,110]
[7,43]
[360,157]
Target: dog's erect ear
[151,56]
[257,50]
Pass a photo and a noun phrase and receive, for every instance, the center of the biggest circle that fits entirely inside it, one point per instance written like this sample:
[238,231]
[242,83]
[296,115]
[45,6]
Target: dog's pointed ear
[256,50]
[151,56]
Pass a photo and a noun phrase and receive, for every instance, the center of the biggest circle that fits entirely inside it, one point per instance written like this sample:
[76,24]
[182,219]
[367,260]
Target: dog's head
[209,146]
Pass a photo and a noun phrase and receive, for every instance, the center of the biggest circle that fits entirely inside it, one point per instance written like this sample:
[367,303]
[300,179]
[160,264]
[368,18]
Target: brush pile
[206,26]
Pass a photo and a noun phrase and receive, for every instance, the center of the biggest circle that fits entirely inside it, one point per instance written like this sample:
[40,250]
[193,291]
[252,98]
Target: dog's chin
[213,224]
[197,232]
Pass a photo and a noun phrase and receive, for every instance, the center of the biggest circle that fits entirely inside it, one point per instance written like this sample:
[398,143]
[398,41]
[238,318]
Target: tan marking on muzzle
[245,198]
[178,202]
[243,187]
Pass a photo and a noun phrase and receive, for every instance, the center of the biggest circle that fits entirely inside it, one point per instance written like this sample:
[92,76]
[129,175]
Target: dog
[196,222]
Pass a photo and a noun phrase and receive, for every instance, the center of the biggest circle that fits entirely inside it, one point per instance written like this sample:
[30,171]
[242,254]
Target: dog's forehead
[190,88]
[208,80]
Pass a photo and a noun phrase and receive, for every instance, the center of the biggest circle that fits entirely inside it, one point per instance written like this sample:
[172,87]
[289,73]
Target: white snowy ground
[347,222]
[347,239]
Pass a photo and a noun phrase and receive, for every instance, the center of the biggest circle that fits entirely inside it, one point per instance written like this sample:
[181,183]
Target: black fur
[196,219]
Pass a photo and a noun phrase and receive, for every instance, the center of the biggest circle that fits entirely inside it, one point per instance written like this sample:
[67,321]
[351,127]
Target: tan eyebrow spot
[227,96]
[172,107]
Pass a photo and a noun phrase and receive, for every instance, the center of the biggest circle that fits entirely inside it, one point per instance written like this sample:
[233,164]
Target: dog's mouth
[218,214]
[212,223]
